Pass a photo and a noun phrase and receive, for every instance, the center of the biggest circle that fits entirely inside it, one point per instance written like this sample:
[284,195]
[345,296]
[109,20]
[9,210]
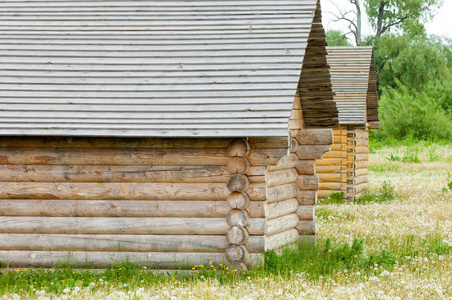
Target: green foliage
[414,60]
[385,168]
[411,155]
[336,38]
[334,198]
[405,114]
[271,260]
[387,14]
[449,181]
[385,194]
[394,158]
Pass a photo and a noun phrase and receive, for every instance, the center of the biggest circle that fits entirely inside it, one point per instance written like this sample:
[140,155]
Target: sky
[441,25]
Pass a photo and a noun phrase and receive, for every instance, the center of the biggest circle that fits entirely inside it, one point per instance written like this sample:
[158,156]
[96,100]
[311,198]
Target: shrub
[412,115]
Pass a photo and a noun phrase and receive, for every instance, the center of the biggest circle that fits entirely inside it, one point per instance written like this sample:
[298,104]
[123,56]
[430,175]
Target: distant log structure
[345,167]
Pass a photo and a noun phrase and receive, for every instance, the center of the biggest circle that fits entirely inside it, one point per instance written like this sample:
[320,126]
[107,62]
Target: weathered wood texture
[133,68]
[123,243]
[128,208]
[318,106]
[146,198]
[82,259]
[355,83]
[313,143]
[341,170]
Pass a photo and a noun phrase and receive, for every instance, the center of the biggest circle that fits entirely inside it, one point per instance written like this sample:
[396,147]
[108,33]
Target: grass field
[396,243]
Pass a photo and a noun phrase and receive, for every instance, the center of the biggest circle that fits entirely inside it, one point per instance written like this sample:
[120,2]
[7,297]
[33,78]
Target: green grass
[315,260]
[384,194]
[385,168]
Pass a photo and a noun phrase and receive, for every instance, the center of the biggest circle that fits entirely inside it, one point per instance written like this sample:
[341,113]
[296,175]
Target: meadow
[395,242]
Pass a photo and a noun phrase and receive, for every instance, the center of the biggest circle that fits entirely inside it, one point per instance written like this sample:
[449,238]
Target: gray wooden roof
[150,68]
[354,82]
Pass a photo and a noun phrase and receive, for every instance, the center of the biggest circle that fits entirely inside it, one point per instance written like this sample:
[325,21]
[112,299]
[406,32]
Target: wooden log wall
[182,201]
[361,161]
[313,143]
[344,168]
[282,205]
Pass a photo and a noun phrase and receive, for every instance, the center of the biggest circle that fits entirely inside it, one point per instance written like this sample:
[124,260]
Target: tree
[415,61]
[385,15]
[336,38]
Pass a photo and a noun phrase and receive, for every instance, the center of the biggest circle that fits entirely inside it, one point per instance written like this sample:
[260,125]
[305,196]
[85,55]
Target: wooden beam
[119,191]
[82,259]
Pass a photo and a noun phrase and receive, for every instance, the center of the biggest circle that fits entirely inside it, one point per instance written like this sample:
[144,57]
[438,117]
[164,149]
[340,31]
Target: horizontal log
[155,143]
[362,150]
[307,197]
[315,137]
[101,173]
[281,224]
[360,187]
[361,143]
[360,179]
[330,186]
[124,208]
[119,191]
[256,226]
[373,125]
[361,172]
[282,192]
[121,243]
[268,142]
[79,259]
[328,169]
[361,157]
[238,165]
[237,253]
[237,235]
[293,143]
[321,194]
[311,151]
[144,226]
[335,154]
[305,212]
[285,162]
[239,147]
[281,177]
[142,157]
[237,217]
[281,208]
[361,135]
[307,227]
[281,239]
[329,162]
[238,183]
[361,164]
[330,177]
[238,200]
[265,157]
[337,147]
[308,182]
[306,167]
[100,142]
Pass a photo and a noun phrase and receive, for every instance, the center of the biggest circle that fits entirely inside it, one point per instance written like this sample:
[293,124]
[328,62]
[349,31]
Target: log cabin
[166,133]
[344,169]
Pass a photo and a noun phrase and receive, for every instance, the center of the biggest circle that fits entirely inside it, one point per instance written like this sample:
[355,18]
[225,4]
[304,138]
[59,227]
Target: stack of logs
[344,168]
[238,201]
[312,144]
[163,203]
